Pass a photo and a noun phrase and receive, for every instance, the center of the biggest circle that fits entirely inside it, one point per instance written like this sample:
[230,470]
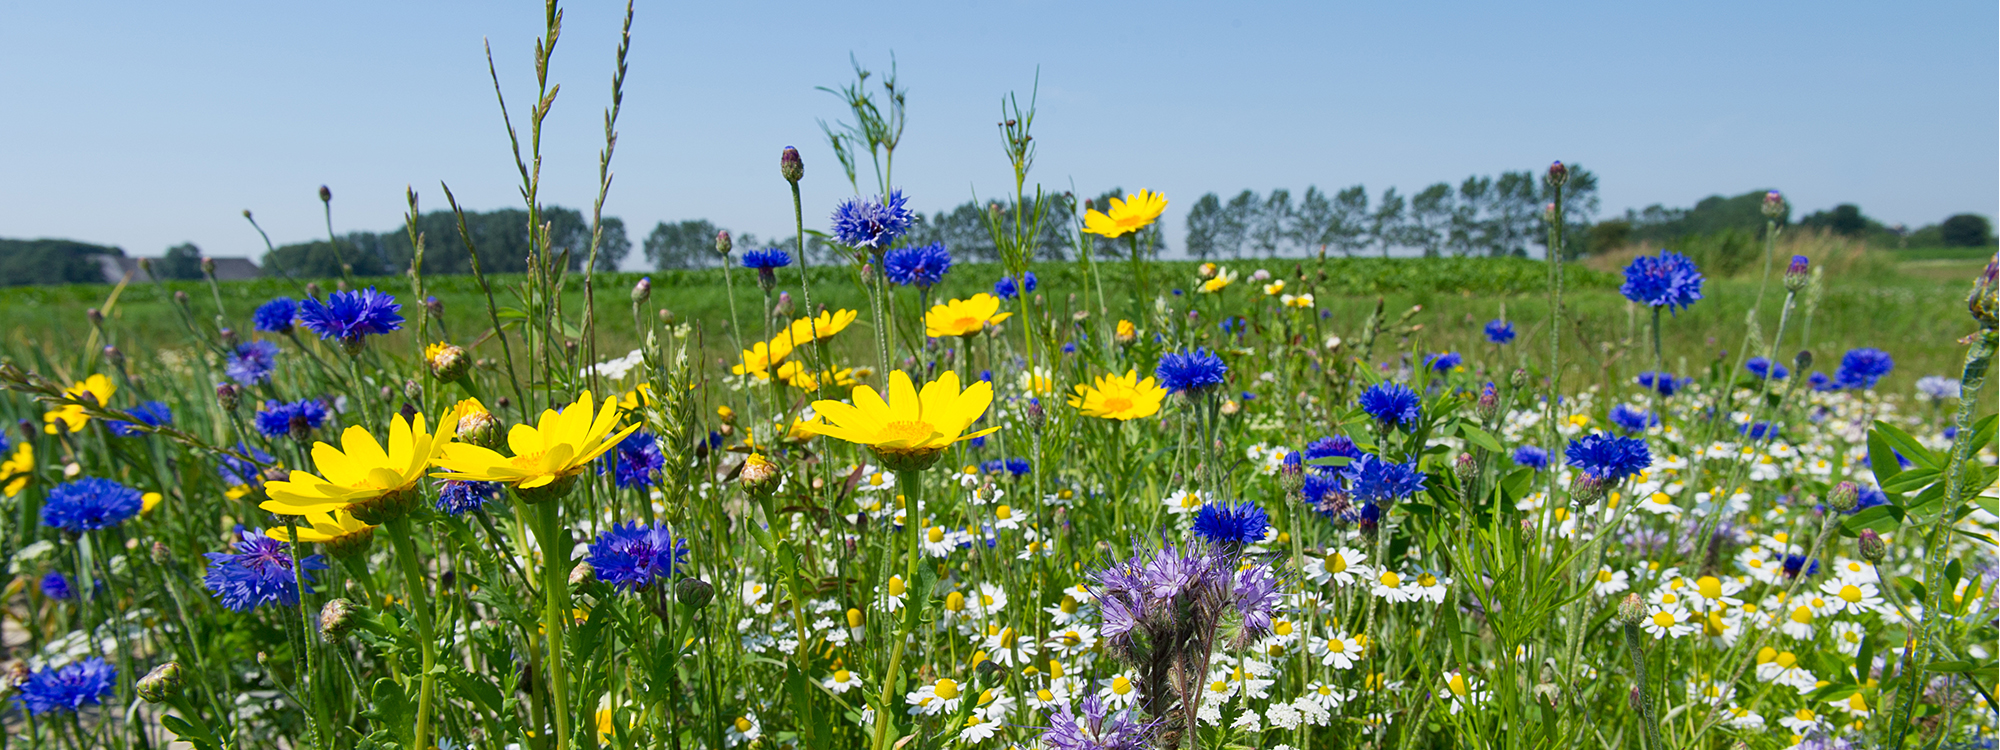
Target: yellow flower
[637,397]
[360,476]
[964,317]
[826,325]
[760,356]
[1127,332]
[1126,216]
[1273,288]
[909,425]
[559,447]
[149,501]
[15,471]
[1120,398]
[71,415]
[1300,301]
[1223,278]
[842,377]
[340,531]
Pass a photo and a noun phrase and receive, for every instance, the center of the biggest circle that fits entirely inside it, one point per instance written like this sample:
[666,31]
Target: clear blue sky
[144,124]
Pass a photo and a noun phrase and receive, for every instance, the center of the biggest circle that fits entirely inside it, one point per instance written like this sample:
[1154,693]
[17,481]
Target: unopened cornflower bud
[312,289]
[160,554]
[336,618]
[582,574]
[228,397]
[1843,496]
[434,305]
[1986,295]
[162,684]
[1549,213]
[325,194]
[386,393]
[208,266]
[228,336]
[783,307]
[1795,274]
[1636,698]
[181,298]
[114,356]
[667,317]
[448,362]
[29,430]
[722,243]
[1870,546]
[642,290]
[1465,468]
[693,593]
[1488,405]
[790,166]
[413,391]
[95,316]
[1803,360]
[300,429]
[1631,610]
[1037,416]
[1774,205]
[1519,379]
[1558,174]
[1587,490]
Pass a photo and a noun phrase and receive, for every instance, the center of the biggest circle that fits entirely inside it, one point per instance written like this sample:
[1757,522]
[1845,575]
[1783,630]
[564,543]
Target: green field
[1912,309]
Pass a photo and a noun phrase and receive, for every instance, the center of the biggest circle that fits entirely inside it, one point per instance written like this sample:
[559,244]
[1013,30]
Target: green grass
[1916,316]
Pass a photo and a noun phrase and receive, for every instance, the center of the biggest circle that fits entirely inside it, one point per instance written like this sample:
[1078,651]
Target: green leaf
[389,705]
[479,691]
[1906,445]
[1865,658]
[1951,666]
[1833,692]
[1880,459]
[1479,437]
[1910,481]
[1881,518]
[193,734]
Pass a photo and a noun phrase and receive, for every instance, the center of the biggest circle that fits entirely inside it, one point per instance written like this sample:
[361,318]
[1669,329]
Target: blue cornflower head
[1765,369]
[872,223]
[1861,368]
[1018,467]
[259,572]
[1531,457]
[1663,382]
[348,316]
[1759,430]
[1796,564]
[766,259]
[252,361]
[150,413]
[631,556]
[1392,404]
[89,504]
[275,420]
[1191,372]
[1609,457]
[1668,280]
[1327,493]
[992,466]
[1500,332]
[1443,362]
[1222,523]
[1005,288]
[276,316]
[1869,497]
[1069,347]
[922,267]
[1631,418]
[55,586]
[1378,481]
[236,472]
[1820,382]
[69,687]
[1331,447]
[635,461]
[459,497]
[1097,728]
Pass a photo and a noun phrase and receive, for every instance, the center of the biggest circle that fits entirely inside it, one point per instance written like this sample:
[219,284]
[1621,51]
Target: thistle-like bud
[95,316]
[413,391]
[642,290]
[722,243]
[1292,473]
[667,317]
[1465,468]
[479,428]
[300,429]
[448,362]
[1803,360]
[783,307]
[757,471]
[13,675]
[312,289]
[1519,379]
[1985,296]
[1488,405]
[1795,274]
[582,574]
[228,336]
[1037,416]
[162,684]
[181,298]
[336,618]
[1843,496]
[1205,271]
[208,266]
[791,166]
[693,593]
[1587,490]
[325,194]
[115,357]
[1870,546]
[1631,610]
[1558,174]
[434,305]
[161,555]
[1774,205]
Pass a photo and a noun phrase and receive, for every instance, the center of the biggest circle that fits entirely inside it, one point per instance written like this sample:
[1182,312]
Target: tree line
[501,237]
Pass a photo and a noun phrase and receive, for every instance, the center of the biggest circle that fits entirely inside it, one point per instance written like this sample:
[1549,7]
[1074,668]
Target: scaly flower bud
[1037,416]
[1549,213]
[722,244]
[582,574]
[1558,174]
[162,556]
[1870,546]
[95,316]
[1803,360]
[1631,610]
[208,266]
[1488,405]
[1465,468]
[336,618]
[693,593]
[1843,496]
[448,362]
[757,473]
[162,684]
[434,305]
[783,308]
[115,357]
[1795,274]
[1587,490]
[642,290]
[1774,205]
[791,166]
[325,194]
[1519,379]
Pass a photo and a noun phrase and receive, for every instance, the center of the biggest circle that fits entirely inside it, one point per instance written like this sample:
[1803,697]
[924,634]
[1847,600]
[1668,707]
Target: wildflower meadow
[1138,504]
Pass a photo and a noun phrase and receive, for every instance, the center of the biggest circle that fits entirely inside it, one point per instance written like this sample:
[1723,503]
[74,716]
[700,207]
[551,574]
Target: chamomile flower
[942,696]
[1797,622]
[1073,640]
[1004,645]
[890,595]
[1847,637]
[1463,692]
[1852,597]
[1738,717]
[1393,587]
[1004,517]
[988,601]
[1326,696]
[1054,695]
[841,681]
[874,479]
[1185,502]
[1667,621]
[1610,581]
[1342,565]
[1711,593]
[1119,692]
[1338,650]
[1802,721]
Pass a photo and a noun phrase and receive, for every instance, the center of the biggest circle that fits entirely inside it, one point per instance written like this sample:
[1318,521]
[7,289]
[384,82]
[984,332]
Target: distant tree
[1349,228]
[1469,231]
[1238,218]
[1430,218]
[1204,226]
[1267,232]
[1386,225]
[182,261]
[1966,230]
[501,238]
[1580,204]
[1845,220]
[614,245]
[963,230]
[24,262]
[1514,214]
[1608,235]
[685,244]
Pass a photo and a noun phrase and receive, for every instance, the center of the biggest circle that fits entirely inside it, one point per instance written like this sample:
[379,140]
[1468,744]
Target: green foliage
[1845,220]
[24,262]
[1711,215]
[1966,230]
[182,262]
[501,236]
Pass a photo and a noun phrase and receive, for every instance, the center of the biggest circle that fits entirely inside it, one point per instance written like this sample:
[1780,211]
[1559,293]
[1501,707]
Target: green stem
[404,539]
[914,596]
[550,535]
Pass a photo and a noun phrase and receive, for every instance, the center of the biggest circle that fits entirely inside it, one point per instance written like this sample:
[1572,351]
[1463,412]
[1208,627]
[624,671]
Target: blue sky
[147,124]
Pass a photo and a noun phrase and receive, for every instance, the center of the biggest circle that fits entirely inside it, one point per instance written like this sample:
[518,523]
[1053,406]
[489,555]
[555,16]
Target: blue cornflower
[251,363]
[1869,497]
[1531,457]
[276,316]
[1018,467]
[1005,288]
[1765,369]
[922,267]
[236,472]
[259,572]
[275,420]
[150,413]
[1191,372]
[348,316]
[1378,481]
[1668,280]
[1820,382]
[1392,404]
[1796,564]
[631,556]
[767,259]
[1609,457]
[1222,523]
[1443,362]
[635,461]
[1759,431]
[69,687]
[1862,368]
[1329,447]
[992,466]
[55,586]
[1369,518]
[1631,418]
[1069,347]
[872,223]
[89,504]
[1663,382]
[458,497]
[1500,332]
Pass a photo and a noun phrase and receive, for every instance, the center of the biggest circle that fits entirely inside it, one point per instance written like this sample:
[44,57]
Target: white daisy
[942,696]
[841,681]
[1341,565]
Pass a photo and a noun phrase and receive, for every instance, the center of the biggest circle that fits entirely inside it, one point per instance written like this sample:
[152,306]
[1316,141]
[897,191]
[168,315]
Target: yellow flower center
[1003,513]
[1116,404]
[527,461]
[1045,696]
[906,430]
[1391,580]
[1121,685]
[1710,587]
[1427,580]
[896,585]
[947,689]
[1457,684]
[1337,646]
[1604,576]
[853,617]
[1335,563]
[1068,605]
[954,601]
[875,479]
[1284,627]
[935,535]
[841,676]
[967,323]
[743,724]
[1663,619]
[1802,615]
[985,696]
[1851,593]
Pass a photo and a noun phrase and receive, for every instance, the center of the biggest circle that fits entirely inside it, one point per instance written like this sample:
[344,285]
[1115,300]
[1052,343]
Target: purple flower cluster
[1097,728]
[1163,610]
[872,223]
[252,362]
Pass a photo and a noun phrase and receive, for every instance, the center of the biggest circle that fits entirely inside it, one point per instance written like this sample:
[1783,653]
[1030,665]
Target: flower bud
[1774,205]
[480,428]
[757,471]
[725,414]
[693,593]
[782,309]
[114,356]
[1803,360]
[336,618]
[1636,699]
[1985,299]
[300,429]
[1488,405]
[1631,610]
[434,305]
[448,362]
[325,194]
[161,555]
[1519,379]
[208,266]
[583,574]
[1037,416]
[181,298]
[1206,271]
[162,684]
[1870,546]
[95,316]
[722,244]
[667,317]
[1587,490]
[791,166]
[1465,468]
[12,675]
[642,290]
[1548,213]
[312,289]
[1843,496]
[413,391]
[1558,174]
[1795,274]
